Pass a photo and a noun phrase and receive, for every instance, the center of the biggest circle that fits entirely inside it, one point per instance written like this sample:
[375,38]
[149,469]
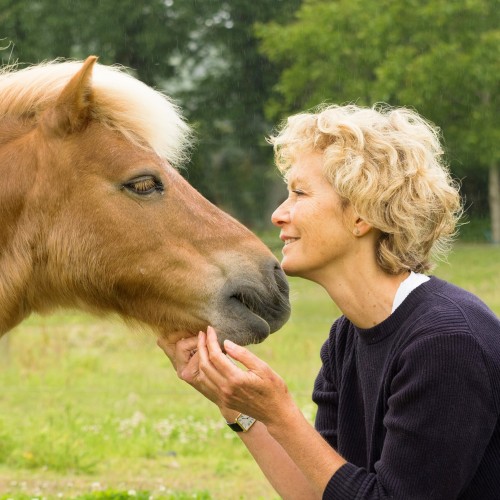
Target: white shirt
[406,287]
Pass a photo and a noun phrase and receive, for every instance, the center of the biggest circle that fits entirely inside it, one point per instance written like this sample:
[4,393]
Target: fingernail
[230,344]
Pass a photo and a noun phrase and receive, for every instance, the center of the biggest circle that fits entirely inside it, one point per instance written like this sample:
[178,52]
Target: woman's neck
[365,295]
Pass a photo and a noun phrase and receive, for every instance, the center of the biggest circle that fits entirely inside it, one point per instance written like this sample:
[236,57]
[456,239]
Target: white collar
[406,287]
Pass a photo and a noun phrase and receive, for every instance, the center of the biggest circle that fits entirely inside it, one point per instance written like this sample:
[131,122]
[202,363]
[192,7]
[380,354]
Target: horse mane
[143,115]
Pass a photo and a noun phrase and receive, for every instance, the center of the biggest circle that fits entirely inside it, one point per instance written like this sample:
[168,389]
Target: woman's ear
[361,227]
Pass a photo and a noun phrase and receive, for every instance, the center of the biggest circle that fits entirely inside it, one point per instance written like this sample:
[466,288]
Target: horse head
[97,217]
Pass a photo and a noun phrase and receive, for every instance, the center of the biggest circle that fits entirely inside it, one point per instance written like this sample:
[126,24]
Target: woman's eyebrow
[302,181]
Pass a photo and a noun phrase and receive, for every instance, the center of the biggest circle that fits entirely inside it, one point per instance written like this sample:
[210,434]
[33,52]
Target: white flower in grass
[183,437]
[95,486]
[92,429]
[165,428]
[127,425]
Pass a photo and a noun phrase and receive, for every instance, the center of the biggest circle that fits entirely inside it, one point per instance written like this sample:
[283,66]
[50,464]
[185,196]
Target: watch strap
[236,427]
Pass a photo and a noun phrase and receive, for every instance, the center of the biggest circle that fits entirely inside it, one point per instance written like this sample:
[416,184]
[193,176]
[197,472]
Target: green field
[88,407]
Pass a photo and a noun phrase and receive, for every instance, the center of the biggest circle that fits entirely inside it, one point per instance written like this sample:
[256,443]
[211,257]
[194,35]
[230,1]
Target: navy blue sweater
[413,404]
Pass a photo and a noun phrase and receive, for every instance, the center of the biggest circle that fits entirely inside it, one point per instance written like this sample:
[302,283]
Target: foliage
[130,33]
[233,164]
[450,71]
[439,56]
[327,53]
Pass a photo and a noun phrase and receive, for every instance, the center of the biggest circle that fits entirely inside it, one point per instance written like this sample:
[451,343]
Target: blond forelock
[121,102]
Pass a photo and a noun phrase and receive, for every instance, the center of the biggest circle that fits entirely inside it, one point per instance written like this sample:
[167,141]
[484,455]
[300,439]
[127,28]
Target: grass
[89,409]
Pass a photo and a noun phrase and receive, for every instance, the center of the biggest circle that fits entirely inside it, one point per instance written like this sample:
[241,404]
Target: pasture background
[88,405]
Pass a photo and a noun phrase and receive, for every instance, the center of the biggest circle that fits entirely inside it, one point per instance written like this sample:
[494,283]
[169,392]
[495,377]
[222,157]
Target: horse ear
[72,108]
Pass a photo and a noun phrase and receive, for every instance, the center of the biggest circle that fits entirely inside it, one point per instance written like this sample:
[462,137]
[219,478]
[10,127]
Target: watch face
[245,421]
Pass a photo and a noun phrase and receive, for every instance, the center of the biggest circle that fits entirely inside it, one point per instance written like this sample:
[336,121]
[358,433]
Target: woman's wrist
[282,422]
[229,415]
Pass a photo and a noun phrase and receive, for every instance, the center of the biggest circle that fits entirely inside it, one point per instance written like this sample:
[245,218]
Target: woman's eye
[144,185]
[298,192]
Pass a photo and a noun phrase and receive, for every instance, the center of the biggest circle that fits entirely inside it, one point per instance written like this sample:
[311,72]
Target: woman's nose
[280,215]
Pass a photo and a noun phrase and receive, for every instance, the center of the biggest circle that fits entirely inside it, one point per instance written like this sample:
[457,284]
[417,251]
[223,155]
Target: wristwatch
[242,423]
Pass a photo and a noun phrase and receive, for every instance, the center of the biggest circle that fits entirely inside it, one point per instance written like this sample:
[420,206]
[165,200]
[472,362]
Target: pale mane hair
[143,115]
[388,164]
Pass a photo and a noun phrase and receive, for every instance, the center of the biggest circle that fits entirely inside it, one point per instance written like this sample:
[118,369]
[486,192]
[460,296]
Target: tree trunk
[494,200]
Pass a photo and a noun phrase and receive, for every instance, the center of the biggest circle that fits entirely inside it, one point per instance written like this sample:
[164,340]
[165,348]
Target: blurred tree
[230,83]
[329,52]
[33,30]
[440,56]
[139,35]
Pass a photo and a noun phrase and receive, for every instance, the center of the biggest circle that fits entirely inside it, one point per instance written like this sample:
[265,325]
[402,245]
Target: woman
[409,391]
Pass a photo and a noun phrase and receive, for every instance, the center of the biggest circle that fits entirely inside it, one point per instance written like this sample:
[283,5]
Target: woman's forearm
[313,456]
[297,462]
[280,470]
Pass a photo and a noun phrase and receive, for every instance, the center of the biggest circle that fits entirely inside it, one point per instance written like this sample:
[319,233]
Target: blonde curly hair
[387,163]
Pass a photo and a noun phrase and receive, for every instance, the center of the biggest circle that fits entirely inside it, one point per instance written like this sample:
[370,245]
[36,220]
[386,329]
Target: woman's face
[312,222]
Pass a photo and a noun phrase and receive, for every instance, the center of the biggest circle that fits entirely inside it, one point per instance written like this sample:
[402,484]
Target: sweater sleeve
[440,417]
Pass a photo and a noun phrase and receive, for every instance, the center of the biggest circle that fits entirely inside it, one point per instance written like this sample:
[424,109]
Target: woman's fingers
[200,361]
[206,359]
[245,357]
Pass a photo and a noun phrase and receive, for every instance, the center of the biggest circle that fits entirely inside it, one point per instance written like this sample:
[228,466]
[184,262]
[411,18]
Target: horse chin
[241,325]
[237,318]
[242,337]
[242,333]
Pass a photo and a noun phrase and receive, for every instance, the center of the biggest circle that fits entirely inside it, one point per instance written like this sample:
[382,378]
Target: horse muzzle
[253,308]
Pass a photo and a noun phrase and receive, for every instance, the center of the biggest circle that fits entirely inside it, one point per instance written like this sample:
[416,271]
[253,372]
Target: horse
[95,215]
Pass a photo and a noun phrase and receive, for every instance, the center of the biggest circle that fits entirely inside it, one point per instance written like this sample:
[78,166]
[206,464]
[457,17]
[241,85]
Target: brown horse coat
[93,215]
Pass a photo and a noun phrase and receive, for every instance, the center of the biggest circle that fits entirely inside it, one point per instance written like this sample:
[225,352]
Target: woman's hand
[185,359]
[257,391]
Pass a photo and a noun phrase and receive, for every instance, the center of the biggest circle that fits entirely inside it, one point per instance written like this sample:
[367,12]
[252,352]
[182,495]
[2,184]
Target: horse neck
[18,228]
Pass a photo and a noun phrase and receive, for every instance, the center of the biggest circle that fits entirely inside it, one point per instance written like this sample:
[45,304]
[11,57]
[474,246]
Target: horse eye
[144,185]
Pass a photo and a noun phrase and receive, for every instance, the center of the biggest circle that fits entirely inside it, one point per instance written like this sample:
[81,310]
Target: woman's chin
[289,269]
